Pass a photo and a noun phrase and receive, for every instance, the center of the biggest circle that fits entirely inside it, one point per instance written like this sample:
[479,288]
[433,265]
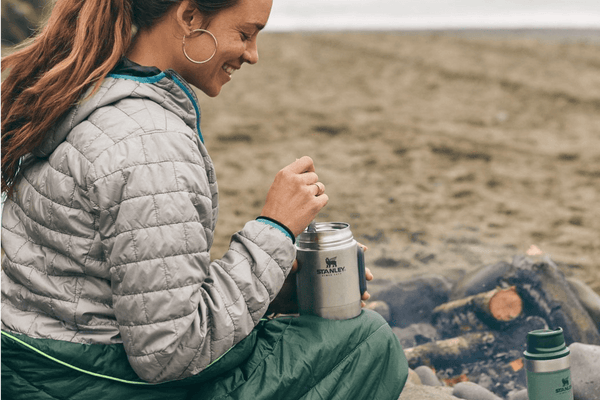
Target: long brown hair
[80,44]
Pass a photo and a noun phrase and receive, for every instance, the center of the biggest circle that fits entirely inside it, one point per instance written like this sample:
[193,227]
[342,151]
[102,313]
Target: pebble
[422,392]
[413,300]
[472,391]
[380,307]
[427,376]
[520,395]
[413,378]
[585,364]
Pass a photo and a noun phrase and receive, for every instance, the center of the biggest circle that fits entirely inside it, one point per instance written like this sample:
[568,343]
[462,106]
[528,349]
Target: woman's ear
[188,16]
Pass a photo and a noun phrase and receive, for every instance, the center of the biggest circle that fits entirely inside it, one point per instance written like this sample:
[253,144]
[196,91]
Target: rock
[520,395]
[413,378]
[377,286]
[472,391]
[427,376]
[422,392]
[585,364]
[412,301]
[589,299]
[380,307]
[415,334]
[483,280]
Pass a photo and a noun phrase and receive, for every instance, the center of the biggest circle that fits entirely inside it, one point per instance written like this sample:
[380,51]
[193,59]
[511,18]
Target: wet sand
[445,151]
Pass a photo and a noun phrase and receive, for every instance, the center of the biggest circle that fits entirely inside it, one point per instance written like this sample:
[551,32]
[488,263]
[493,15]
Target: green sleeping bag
[284,358]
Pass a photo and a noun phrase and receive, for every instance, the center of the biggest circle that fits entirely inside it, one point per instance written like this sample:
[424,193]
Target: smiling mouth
[228,69]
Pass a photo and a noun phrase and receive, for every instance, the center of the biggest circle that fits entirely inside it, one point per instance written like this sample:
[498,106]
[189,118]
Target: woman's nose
[251,53]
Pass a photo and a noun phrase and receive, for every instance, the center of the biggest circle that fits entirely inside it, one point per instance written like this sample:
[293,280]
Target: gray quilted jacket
[107,237]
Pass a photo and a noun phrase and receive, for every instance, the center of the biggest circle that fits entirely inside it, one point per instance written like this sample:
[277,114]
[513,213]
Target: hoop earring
[209,58]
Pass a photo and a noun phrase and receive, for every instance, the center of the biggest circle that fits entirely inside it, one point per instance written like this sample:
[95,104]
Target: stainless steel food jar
[331,277]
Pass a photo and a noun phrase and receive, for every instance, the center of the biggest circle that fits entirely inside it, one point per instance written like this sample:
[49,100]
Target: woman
[112,204]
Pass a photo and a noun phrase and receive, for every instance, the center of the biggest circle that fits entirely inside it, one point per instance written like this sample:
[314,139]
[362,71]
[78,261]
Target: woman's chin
[212,91]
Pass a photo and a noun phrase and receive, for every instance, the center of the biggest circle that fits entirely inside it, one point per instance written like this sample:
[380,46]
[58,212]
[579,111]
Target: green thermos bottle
[548,366]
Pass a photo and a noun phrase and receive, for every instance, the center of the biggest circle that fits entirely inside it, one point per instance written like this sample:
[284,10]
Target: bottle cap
[546,344]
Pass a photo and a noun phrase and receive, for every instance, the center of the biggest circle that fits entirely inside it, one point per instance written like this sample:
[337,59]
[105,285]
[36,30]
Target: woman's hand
[296,196]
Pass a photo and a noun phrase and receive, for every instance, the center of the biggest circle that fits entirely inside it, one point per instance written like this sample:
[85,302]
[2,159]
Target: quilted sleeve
[178,311]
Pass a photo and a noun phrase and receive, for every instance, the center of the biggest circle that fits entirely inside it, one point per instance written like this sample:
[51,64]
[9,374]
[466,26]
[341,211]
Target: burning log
[494,309]
[441,353]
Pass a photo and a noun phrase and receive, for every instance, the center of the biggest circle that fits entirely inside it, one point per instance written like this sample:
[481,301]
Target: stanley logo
[332,268]
[566,386]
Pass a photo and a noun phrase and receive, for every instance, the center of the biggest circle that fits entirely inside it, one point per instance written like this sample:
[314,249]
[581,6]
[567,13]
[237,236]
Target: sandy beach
[444,151]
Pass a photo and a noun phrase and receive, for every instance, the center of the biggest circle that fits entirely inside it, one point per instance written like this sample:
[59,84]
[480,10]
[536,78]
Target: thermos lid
[327,235]
[546,344]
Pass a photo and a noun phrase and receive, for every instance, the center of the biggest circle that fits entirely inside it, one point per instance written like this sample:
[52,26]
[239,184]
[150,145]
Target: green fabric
[285,358]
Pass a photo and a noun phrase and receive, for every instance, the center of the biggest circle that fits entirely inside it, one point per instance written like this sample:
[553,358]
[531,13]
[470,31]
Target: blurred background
[432,14]
[21,17]
[449,134]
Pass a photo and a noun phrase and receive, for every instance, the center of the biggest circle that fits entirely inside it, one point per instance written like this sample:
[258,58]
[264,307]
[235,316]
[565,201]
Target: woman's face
[236,29]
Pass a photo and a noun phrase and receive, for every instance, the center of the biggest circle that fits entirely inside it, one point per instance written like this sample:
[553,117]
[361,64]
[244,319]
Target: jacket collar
[128,67]
[167,88]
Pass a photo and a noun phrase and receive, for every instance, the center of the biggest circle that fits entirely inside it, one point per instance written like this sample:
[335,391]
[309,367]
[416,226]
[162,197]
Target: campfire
[476,330]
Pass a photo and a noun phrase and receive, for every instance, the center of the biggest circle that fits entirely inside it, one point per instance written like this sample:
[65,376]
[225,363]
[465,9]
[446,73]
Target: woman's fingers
[308,178]
[296,196]
[366,296]
[301,165]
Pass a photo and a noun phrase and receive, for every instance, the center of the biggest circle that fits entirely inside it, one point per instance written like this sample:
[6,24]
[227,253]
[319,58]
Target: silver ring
[320,190]
[209,58]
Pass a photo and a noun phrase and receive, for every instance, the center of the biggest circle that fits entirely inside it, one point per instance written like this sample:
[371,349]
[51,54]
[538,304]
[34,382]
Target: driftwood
[491,309]
[589,299]
[546,292]
[442,353]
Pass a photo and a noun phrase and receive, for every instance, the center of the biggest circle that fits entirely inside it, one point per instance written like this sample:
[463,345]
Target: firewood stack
[476,330]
